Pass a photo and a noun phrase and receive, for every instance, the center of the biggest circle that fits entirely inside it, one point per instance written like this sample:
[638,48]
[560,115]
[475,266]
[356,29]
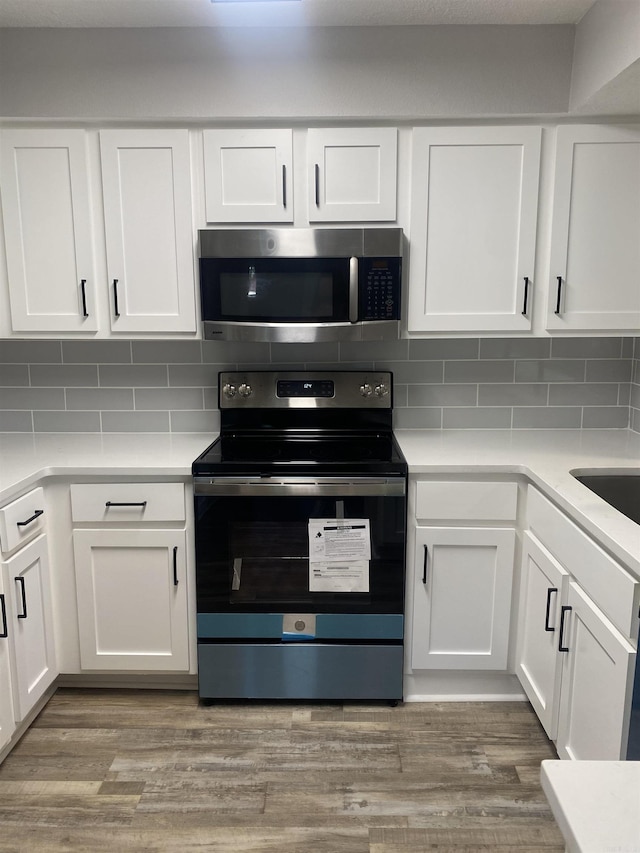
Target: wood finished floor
[111,770]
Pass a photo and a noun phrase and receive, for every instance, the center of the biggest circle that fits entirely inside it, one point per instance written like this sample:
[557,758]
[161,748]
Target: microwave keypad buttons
[379,294]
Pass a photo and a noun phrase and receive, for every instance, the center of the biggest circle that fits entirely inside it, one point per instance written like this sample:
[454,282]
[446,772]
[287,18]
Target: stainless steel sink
[621,491]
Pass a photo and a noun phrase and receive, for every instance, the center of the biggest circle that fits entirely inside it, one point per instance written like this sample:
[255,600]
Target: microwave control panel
[380,288]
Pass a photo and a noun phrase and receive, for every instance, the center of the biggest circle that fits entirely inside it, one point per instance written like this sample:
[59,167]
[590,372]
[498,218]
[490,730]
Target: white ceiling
[203,13]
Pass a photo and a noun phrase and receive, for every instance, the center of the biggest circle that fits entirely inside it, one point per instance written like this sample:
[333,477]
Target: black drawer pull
[425,565]
[559,296]
[35,515]
[3,609]
[550,592]
[130,503]
[526,295]
[116,309]
[563,612]
[317,184]
[20,580]
[284,185]
[175,565]
[83,291]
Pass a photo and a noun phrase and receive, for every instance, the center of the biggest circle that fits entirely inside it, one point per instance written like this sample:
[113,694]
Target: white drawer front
[22,520]
[612,588]
[122,502]
[436,501]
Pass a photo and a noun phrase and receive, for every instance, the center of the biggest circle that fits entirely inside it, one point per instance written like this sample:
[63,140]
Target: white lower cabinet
[29,625]
[577,632]
[597,678]
[132,599]
[462,597]
[538,663]
[7,717]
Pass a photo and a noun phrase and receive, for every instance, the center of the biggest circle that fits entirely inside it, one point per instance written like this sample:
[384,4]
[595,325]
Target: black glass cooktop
[269,451]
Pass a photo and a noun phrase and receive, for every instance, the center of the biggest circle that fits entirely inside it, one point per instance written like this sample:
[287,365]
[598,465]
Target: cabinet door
[352,174]
[30,618]
[248,175]
[538,661]
[7,719]
[597,678]
[47,226]
[473,228]
[132,599]
[595,238]
[462,597]
[146,181]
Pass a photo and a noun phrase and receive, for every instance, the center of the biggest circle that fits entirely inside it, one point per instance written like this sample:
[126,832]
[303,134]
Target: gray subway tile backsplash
[135,422]
[64,375]
[471,383]
[66,421]
[12,375]
[16,421]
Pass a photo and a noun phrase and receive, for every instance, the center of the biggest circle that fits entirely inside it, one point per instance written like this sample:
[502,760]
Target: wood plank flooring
[117,771]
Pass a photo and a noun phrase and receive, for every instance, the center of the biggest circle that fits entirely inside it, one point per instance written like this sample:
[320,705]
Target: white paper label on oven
[339,576]
[339,539]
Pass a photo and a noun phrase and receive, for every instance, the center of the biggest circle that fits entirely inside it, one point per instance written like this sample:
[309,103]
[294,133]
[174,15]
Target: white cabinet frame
[248,175]
[132,599]
[473,228]
[594,275]
[462,597]
[150,238]
[48,230]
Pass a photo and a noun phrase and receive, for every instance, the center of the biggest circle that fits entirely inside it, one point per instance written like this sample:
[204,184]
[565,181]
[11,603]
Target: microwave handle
[353,290]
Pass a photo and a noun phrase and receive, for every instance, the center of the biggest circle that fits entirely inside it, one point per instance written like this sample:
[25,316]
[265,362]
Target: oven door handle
[269,486]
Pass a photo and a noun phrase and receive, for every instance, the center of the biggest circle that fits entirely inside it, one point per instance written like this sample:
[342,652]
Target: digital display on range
[305,388]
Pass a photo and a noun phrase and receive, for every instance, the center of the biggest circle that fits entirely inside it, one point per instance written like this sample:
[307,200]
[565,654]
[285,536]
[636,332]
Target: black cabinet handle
[526,295]
[425,564]
[138,503]
[559,296]
[284,185]
[550,592]
[563,612]
[83,292]
[3,609]
[317,182]
[116,309]
[175,565]
[35,515]
[20,580]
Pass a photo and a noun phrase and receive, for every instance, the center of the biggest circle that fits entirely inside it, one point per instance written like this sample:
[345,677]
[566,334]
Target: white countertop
[596,803]
[26,458]
[546,457]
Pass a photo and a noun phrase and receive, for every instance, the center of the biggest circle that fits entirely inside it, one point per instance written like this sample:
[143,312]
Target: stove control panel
[275,389]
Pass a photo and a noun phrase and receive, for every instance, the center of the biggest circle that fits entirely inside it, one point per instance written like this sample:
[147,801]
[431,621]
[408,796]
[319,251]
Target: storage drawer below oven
[300,671]
[328,626]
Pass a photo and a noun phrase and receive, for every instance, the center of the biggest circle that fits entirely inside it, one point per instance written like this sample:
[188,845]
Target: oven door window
[253,554]
[272,290]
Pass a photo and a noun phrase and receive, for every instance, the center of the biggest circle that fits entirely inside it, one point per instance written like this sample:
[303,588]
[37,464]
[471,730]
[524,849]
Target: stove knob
[229,390]
[245,390]
[366,390]
[381,390]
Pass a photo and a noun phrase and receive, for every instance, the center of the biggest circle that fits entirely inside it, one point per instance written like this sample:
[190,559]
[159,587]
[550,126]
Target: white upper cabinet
[146,179]
[594,276]
[47,229]
[352,174]
[473,228]
[248,175]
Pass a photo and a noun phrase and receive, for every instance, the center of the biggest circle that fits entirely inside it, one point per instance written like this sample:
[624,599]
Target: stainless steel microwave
[301,284]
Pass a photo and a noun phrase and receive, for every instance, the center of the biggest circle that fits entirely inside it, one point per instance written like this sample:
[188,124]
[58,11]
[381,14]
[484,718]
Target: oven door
[253,542]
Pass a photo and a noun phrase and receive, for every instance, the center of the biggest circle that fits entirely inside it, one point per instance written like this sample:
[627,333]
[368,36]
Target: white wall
[607,57]
[351,72]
